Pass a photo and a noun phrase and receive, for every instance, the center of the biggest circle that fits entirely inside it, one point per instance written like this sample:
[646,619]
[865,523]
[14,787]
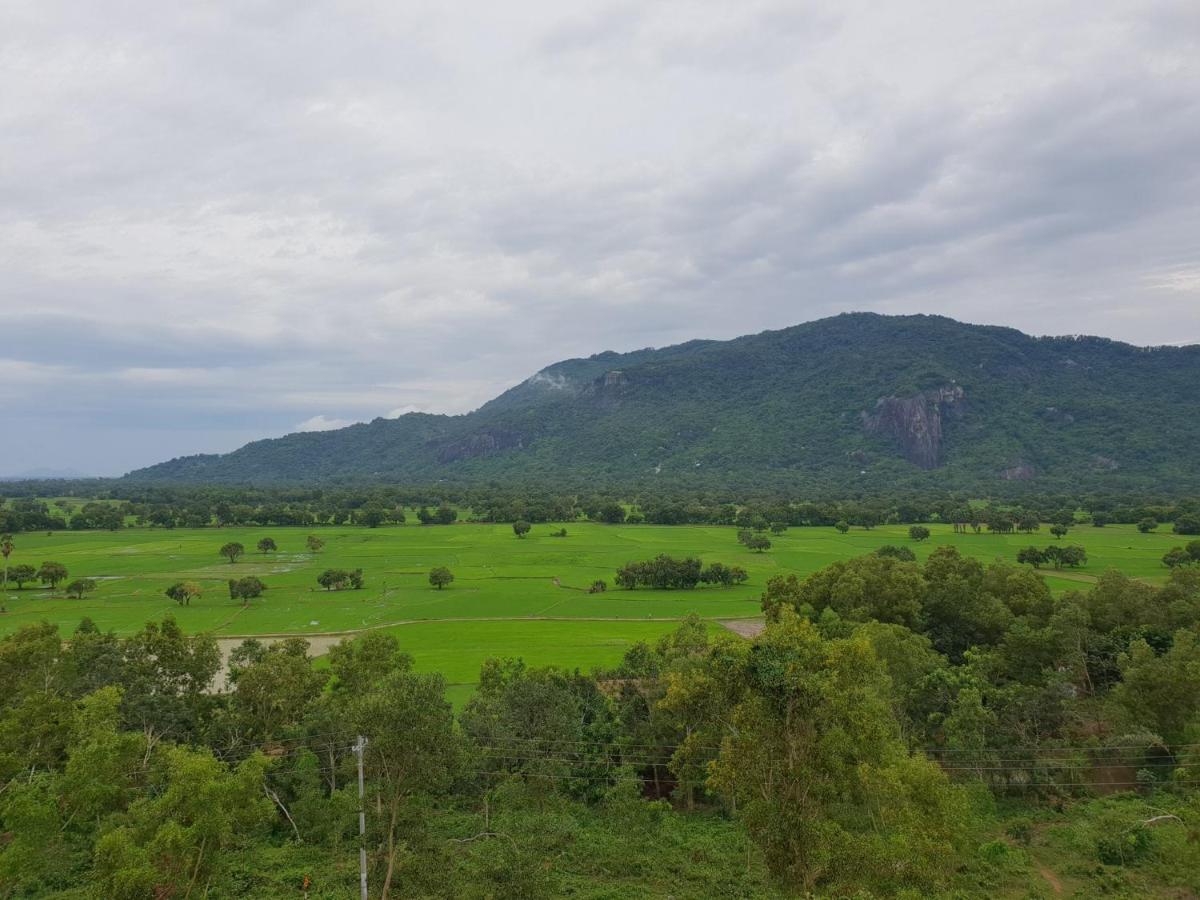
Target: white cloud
[228,217]
[402,411]
[322,423]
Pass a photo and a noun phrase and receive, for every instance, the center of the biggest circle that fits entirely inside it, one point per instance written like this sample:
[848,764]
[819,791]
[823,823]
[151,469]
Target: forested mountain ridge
[854,402]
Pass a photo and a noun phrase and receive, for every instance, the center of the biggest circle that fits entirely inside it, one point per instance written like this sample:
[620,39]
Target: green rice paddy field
[510,597]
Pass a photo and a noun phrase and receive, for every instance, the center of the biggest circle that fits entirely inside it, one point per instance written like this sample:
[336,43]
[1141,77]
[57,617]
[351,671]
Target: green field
[504,600]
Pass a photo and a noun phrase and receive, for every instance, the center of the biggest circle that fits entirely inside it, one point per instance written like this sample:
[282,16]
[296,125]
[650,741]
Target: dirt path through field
[747,628]
[1051,878]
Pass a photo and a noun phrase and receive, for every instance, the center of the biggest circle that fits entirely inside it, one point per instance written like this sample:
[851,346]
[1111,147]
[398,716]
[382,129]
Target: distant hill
[857,401]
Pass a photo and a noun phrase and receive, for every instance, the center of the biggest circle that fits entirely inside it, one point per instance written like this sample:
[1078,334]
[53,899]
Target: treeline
[667,573]
[110,505]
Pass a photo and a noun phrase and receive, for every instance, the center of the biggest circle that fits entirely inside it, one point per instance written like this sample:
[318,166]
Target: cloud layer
[234,220]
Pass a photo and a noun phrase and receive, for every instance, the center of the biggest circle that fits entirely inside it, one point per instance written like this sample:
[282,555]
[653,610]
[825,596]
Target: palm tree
[6,548]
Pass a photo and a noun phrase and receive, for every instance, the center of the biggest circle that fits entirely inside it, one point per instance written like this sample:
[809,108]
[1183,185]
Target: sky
[223,221]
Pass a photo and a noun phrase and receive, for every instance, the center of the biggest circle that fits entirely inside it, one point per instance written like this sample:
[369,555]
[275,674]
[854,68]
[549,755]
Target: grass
[501,582]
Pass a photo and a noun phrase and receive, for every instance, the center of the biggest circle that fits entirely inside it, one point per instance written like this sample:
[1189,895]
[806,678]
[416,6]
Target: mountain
[857,401]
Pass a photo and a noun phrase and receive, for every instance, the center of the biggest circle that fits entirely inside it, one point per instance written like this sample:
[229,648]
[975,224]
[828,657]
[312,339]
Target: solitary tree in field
[1059,530]
[246,589]
[232,551]
[440,576]
[52,573]
[25,572]
[267,545]
[6,548]
[182,592]
[314,544]
[918,533]
[758,543]
[79,587]
[842,526]
[1147,525]
[521,528]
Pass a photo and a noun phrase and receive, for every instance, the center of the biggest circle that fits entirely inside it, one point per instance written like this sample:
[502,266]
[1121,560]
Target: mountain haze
[857,401]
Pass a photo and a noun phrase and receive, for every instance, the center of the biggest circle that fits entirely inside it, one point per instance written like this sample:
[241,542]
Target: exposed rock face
[915,423]
[481,443]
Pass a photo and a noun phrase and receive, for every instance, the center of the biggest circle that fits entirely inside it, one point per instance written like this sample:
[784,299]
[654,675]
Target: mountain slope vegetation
[854,402]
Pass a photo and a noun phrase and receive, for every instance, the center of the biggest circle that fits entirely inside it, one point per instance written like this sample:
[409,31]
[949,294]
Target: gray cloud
[235,220]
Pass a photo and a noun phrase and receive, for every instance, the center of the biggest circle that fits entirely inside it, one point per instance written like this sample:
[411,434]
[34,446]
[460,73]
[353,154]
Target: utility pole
[362,820]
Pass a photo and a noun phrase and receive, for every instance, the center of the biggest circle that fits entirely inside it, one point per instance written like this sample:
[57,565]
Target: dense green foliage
[855,747]
[855,402]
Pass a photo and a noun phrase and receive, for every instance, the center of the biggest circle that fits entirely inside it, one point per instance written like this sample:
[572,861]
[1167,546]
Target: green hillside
[855,402]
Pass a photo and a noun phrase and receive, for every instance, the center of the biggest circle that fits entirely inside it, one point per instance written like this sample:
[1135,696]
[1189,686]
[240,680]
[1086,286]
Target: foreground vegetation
[944,728]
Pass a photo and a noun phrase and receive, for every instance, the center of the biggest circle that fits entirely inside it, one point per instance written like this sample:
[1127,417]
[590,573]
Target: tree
[412,751]
[246,589]
[182,592]
[79,587]
[1162,692]
[1031,556]
[611,513]
[25,572]
[6,548]
[810,742]
[599,586]
[1147,525]
[918,533]
[445,515]
[440,576]
[1073,556]
[901,553]
[232,551]
[1173,558]
[267,545]
[314,543]
[737,575]
[842,526]
[276,687]
[716,573]
[52,573]
[758,543]
[372,516]
[170,841]
[340,579]
[1059,530]
[1187,523]
[521,528]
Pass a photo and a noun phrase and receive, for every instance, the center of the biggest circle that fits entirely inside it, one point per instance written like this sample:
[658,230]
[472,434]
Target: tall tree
[412,751]
[232,551]
[6,548]
[52,573]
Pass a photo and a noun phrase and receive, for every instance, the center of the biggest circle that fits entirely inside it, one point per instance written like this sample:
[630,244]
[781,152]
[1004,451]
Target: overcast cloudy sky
[223,221]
